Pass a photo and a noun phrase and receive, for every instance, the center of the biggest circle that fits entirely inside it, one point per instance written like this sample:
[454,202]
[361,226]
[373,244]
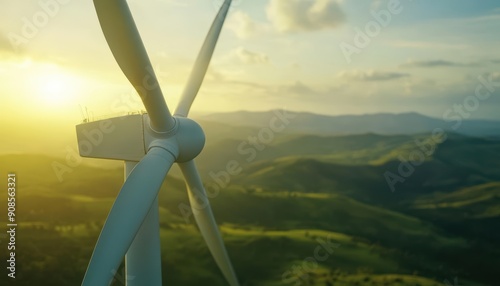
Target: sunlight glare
[56,88]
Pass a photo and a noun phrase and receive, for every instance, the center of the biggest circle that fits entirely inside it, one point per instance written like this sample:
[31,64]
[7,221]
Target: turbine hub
[185,141]
[190,139]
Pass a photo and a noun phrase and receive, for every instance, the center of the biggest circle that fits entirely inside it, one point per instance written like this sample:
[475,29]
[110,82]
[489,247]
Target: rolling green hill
[301,192]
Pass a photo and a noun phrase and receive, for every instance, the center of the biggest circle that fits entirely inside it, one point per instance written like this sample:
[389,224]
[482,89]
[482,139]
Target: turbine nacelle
[130,137]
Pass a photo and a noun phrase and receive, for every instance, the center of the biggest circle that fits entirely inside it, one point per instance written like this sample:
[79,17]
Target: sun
[53,89]
[56,89]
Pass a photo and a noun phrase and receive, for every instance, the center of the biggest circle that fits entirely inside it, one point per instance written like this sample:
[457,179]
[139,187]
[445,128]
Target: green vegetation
[441,223]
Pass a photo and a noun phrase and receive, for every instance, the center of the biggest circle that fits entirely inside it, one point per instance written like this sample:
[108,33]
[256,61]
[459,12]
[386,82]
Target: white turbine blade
[126,45]
[126,216]
[202,62]
[206,221]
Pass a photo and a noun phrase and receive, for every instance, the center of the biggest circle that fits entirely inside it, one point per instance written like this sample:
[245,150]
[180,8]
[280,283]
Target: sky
[324,56]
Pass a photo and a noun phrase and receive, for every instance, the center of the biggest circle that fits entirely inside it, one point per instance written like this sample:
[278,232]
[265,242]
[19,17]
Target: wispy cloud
[245,26]
[249,57]
[436,63]
[298,15]
[427,45]
[371,75]
[298,89]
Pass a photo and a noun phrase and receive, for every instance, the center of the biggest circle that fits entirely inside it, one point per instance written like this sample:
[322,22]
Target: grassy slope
[265,230]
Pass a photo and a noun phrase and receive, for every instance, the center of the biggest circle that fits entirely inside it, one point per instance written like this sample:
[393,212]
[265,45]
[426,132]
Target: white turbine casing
[119,138]
[129,137]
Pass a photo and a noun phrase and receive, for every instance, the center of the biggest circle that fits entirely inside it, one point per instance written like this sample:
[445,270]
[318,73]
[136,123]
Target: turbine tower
[149,144]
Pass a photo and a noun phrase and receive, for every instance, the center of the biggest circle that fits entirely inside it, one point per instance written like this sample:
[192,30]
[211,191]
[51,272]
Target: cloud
[178,3]
[214,75]
[436,63]
[418,86]
[248,84]
[428,45]
[300,15]
[371,75]
[297,88]
[220,76]
[244,26]
[249,57]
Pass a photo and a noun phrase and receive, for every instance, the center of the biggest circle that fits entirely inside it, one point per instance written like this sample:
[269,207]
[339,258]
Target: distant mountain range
[380,123]
[240,124]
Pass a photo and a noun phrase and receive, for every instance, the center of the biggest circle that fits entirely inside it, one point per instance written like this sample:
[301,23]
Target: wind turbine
[149,144]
